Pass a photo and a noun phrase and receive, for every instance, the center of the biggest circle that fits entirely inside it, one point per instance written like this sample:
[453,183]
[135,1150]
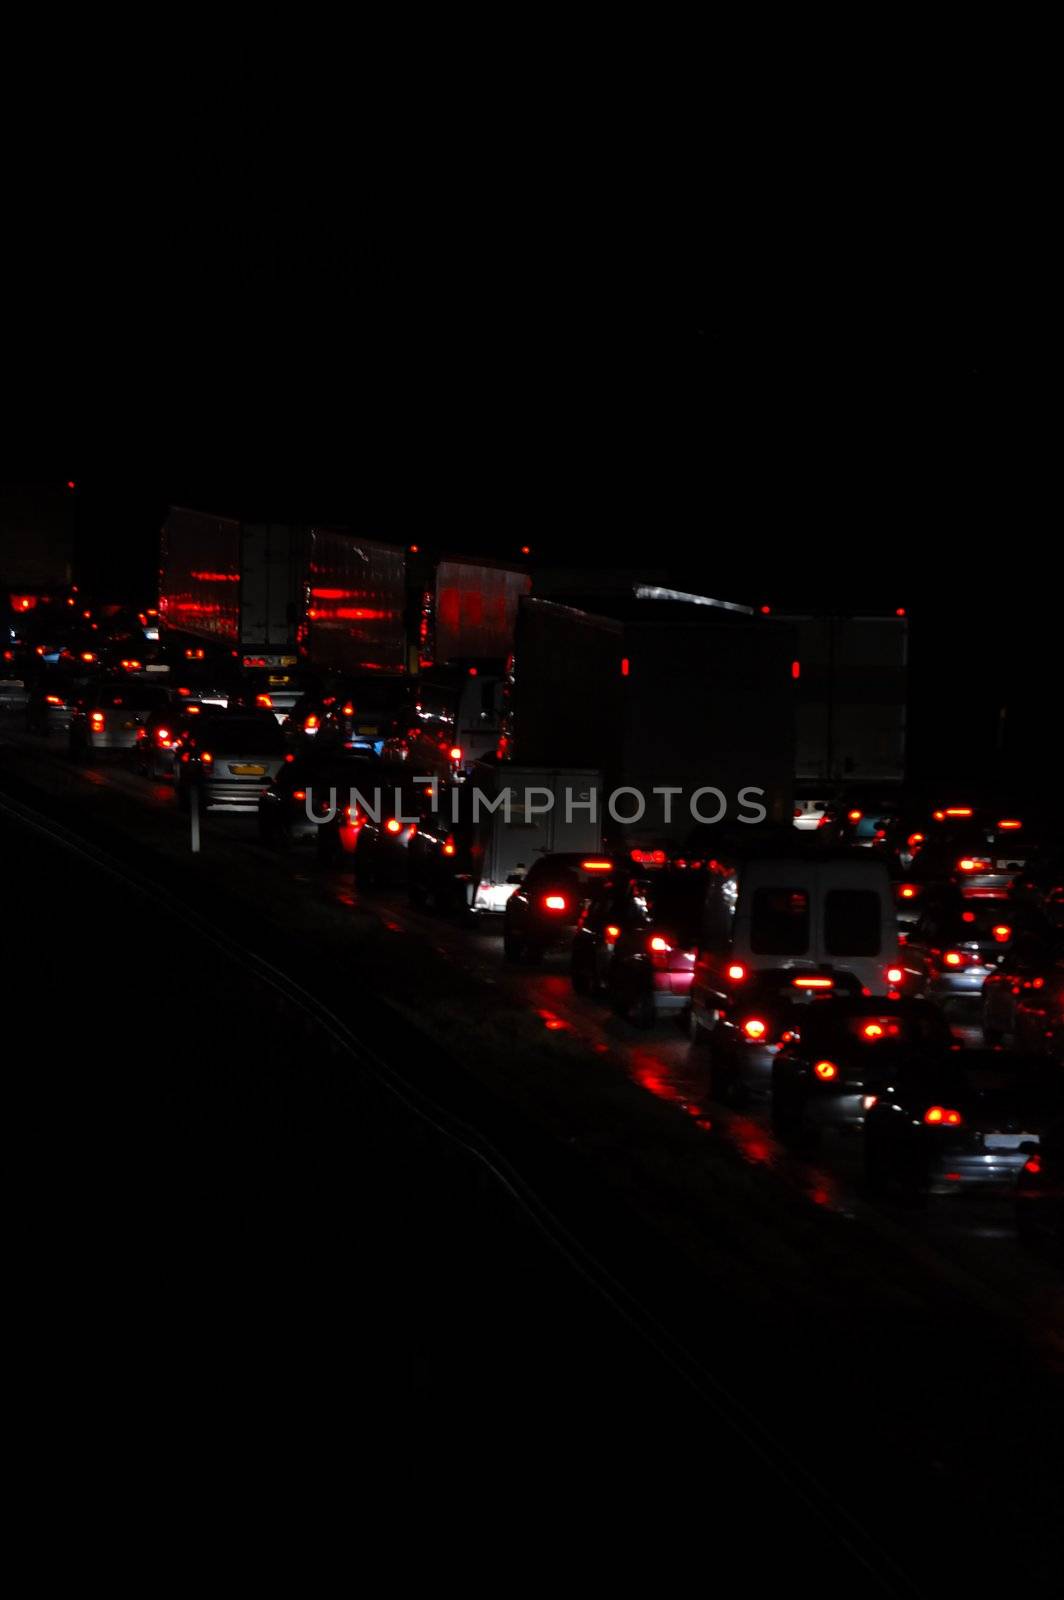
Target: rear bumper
[233,793]
[949,984]
[973,1168]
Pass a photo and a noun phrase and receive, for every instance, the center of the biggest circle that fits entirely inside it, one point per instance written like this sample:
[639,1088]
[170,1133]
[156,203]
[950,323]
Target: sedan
[544,909]
[110,717]
[227,760]
[968,1118]
[654,954]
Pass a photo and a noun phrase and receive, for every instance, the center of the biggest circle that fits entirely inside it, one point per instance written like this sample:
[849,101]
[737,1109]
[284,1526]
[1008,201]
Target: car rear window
[852,922]
[241,738]
[779,923]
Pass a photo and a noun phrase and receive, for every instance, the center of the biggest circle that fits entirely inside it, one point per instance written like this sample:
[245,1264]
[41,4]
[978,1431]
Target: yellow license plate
[367,730]
[246,771]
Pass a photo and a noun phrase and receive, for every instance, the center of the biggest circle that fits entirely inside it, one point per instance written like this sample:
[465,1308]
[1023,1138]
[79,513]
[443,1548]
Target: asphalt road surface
[278,1265]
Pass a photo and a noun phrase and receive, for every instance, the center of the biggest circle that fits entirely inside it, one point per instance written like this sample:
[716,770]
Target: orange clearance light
[942,1116]
[658,943]
[1002,933]
[393,825]
[754,1028]
[596,866]
[1009,824]
[872,1030]
[554,902]
[894,974]
[736,972]
[826,1070]
[613,933]
[455,752]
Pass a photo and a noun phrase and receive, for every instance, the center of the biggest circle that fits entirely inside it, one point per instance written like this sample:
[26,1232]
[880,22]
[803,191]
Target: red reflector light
[596,866]
[737,973]
[393,825]
[1002,934]
[826,1070]
[754,1028]
[942,1116]
[813,983]
[554,902]
[894,974]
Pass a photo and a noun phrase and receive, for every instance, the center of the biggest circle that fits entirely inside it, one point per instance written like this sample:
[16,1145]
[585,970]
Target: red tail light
[206,757]
[52,700]
[855,816]
[264,701]
[449,846]
[299,794]
[826,1071]
[1033,1164]
[554,902]
[1002,934]
[908,891]
[455,752]
[872,1030]
[754,1028]
[973,864]
[942,1116]
[915,839]
[736,972]
[649,858]
[393,825]
[956,958]
[659,944]
[813,983]
[348,710]
[310,724]
[894,974]
[97,721]
[613,933]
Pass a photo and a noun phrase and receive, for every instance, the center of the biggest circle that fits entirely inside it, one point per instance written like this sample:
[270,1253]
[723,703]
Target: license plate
[369,730]
[1010,864]
[246,771]
[1007,1141]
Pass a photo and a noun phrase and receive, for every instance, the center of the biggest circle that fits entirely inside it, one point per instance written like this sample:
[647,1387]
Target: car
[858,817]
[1039,1015]
[228,757]
[938,1123]
[1040,1192]
[653,961]
[826,1058]
[109,716]
[980,858]
[608,911]
[955,946]
[355,713]
[16,669]
[545,907]
[374,828]
[827,913]
[1021,969]
[159,737]
[50,702]
[275,689]
[305,792]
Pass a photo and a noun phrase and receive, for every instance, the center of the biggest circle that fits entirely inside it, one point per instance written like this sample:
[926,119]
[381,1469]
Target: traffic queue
[834,970]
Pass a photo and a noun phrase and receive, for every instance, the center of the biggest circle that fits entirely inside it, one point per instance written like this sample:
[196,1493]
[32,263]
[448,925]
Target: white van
[822,917]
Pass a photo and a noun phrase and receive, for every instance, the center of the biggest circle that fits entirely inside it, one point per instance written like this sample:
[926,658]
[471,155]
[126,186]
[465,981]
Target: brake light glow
[96,719]
[613,933]
[907,891]
[958,811]
[813,983]
[1009,824]
[596,866]
[624,666]
[1033,1164]
[649,858]
[855,816]
[953,958]
[754,1028]
[52,700]
[973,864]
[449,846]
[736,972]
[393,825]
[659,944]
[826,1071]
[872,1030]
[915,838]
[942,1116]
[554,902]
[1002,933]
[455,752]
[894,974]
